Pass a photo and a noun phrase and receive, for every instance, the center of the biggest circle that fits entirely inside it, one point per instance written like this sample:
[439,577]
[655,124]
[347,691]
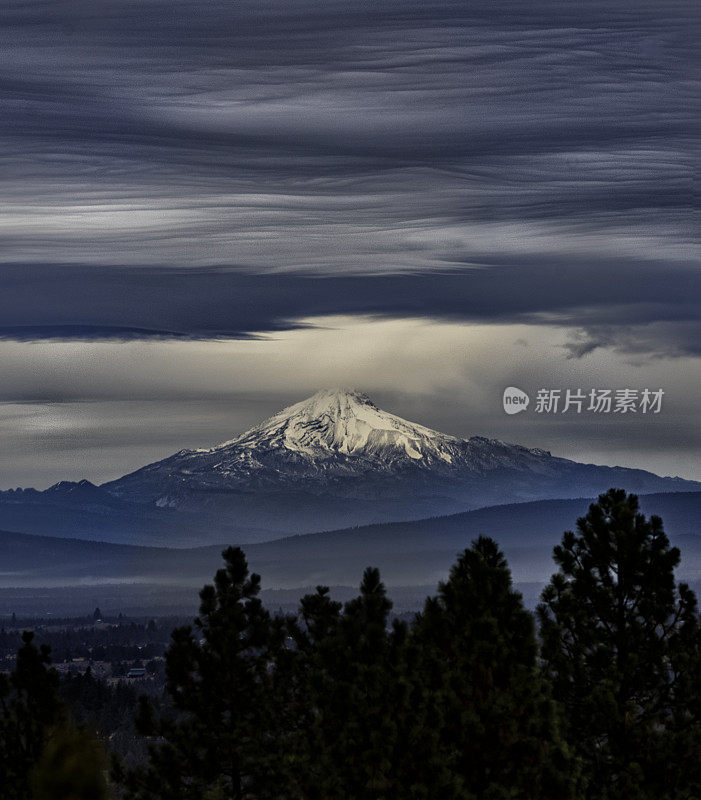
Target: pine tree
[218,741]
[301,678]
[476,662]
[621,644]
[345,690]
[29,707]
[342,742]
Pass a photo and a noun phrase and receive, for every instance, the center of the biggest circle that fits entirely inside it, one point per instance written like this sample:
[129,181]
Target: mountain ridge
[409,553]
[331,461]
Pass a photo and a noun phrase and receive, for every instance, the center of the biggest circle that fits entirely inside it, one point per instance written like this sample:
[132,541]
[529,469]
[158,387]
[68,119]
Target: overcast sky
[212,209]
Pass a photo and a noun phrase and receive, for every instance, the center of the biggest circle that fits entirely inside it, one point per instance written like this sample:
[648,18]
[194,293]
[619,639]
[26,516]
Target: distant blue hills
[416,553]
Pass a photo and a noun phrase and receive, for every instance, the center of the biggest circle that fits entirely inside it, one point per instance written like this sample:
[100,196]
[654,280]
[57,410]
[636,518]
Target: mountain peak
[342,421]
[339,393]
[65,487]
[336,459]
[335,401]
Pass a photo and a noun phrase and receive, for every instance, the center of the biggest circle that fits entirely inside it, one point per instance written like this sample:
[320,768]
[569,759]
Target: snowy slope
[337,459]
[335,435]
[348,422]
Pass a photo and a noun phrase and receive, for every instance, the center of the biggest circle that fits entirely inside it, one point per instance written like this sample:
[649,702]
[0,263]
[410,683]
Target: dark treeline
[469,700]
[122,640]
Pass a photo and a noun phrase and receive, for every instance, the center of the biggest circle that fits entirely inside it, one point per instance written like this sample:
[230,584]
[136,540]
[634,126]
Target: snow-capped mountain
[336,459]
[335,440]
[332,461]
[342,430]
[334,422]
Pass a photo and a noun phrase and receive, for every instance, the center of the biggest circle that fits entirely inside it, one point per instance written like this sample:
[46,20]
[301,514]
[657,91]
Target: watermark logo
[515,400]
[578,401]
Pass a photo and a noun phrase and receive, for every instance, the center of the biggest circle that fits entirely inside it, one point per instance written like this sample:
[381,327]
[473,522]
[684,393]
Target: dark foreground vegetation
[341,701]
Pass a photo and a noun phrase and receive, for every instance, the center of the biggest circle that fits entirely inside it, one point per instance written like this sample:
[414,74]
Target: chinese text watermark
[578,401]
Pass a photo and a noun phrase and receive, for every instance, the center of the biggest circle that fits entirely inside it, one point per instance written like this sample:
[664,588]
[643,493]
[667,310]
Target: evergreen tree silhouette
[218,678]
[621,644]
[29,708]
[345,697]
[476,661]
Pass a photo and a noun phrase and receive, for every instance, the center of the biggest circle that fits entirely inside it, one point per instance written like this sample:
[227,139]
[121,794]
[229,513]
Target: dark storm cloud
[287,160]
[637,307]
